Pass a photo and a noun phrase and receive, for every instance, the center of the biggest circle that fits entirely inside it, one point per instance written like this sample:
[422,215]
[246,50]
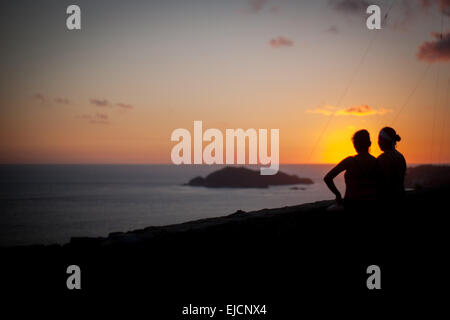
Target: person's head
[361,141]
[387,139]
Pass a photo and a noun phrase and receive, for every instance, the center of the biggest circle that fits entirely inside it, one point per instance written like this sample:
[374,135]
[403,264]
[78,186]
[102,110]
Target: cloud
[281,42]
[326,110]
[444,5]
[102,116]
[437,50]
[349,6]
[362,110]
[413,10]
[254,6]
[98,118]
[39,97]
[333,29]
[43,99]
[106,103]
[125,106]
[62,100]
[99,102]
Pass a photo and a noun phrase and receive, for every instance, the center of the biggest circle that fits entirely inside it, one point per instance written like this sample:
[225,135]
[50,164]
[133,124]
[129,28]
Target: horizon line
[179,165]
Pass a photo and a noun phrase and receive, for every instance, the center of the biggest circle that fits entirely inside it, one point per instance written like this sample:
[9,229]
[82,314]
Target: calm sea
[44,204]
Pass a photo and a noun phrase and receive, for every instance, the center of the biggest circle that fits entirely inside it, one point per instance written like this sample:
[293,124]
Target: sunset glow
[114,91]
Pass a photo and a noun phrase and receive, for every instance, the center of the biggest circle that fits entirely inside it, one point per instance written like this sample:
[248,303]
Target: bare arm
[329,179]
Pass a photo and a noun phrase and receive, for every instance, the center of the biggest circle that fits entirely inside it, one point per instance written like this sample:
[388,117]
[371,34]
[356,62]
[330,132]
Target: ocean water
[45,204]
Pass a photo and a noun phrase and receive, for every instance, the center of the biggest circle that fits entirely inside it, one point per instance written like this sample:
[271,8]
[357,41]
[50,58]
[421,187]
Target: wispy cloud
[326,110]
[99,102]
[39,97]
[280,42]
[444,5]
[255,6]
[102,116]
[98,118]
[62,100]
[414,10]
[125,105]
[106,103]
[333,30]
[437,50]
[362,110]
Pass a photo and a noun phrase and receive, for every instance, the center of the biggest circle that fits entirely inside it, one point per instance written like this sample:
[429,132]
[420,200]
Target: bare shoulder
[348,161]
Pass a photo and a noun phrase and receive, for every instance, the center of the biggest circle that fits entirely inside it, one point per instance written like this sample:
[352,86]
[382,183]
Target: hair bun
[397,138]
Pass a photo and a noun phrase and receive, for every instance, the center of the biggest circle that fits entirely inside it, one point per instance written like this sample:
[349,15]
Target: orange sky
[114,91]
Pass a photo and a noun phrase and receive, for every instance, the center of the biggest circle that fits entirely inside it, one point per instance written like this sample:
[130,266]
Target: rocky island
[240,177]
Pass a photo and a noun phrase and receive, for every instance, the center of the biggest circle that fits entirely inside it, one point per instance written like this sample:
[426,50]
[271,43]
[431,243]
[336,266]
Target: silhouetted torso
[360,178]
[391,169]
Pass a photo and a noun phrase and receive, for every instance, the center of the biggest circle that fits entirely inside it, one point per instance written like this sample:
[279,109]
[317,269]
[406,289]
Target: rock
[238,212]
[197,181]
[240,177]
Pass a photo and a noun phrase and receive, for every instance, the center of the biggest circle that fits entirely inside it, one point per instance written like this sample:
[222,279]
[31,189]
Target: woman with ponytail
[391,167]
[360,179]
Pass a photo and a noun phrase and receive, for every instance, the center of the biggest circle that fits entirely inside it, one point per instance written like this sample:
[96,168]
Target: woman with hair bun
[391,167]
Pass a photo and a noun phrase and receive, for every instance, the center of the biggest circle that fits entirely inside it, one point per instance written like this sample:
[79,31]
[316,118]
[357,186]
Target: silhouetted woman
[391,167]
[360,181]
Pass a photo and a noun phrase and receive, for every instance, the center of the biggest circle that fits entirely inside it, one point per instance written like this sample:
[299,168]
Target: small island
[240,177]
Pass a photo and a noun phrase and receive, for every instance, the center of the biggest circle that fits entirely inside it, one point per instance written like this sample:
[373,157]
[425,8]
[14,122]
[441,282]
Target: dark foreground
[290,259]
